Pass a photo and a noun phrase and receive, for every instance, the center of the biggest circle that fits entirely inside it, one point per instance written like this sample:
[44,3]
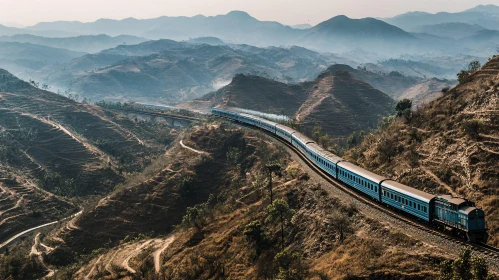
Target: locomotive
[456,215]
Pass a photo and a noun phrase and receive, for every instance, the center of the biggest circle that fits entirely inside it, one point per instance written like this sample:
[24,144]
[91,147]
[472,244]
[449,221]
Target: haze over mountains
[333,35]
[191,56]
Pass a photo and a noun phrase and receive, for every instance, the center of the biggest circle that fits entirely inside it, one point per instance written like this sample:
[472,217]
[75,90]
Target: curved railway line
[486,249]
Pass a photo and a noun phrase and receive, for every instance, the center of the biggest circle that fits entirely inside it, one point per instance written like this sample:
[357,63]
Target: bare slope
[449,145]
[338,102]
[51,145]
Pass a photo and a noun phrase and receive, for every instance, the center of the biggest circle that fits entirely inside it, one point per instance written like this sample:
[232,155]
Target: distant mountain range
[485,16]
[87,43]
[435,32]
[171,71]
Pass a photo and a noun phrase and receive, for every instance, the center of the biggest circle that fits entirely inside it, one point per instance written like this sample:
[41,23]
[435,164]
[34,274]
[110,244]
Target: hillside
[167,71]
[327,236]
[480,15]
[392,83]
[341,33]
[454,30]
[425,91]
[448,145]
[54,147]
[87,44]
[332,100]
[25,58]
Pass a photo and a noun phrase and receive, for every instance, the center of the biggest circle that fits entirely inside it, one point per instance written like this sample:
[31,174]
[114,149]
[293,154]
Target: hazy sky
[29,12]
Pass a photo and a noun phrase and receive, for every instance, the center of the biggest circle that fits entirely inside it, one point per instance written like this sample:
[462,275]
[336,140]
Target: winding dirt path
[33,229]
[191,149]
[93,268]
[134,253]
[157,253]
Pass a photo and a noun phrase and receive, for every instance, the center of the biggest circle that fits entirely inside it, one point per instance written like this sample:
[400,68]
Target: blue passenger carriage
[300,142]
[284,132]
[324,159]
[360,179]
[407,199]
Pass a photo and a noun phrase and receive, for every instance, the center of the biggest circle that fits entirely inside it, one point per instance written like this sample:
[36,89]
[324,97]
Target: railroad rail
[480,247]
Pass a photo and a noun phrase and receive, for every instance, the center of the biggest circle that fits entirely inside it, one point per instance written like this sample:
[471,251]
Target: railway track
[485,249]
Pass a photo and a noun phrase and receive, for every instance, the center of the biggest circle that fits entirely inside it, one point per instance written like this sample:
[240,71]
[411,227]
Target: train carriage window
[419,207]
[376,189]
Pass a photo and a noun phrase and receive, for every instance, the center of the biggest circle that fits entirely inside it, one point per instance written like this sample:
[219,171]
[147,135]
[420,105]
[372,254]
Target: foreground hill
[448,145]
[133,233]
[336,101]
[52,146]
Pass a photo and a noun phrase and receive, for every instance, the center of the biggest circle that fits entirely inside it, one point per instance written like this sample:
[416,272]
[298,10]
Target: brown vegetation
[450,145]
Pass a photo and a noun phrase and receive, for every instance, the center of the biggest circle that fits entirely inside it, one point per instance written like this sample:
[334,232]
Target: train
[455,215]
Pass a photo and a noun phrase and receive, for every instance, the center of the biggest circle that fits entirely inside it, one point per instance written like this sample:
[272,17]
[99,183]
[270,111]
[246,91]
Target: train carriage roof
[404,189]
[471,209]
[361,171]
[324,153]
[285,128]
[302,138]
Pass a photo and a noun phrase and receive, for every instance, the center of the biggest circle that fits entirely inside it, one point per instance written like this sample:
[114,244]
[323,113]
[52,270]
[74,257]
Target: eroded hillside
[337,101]
[51,146]
[450,145]
[132,233]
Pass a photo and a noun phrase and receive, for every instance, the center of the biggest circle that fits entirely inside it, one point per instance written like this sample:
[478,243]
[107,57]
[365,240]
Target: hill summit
[336,101]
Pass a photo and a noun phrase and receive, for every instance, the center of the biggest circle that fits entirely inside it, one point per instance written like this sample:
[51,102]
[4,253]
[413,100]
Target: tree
[464,74]
[279,211]
[403,106]
[342,225]
[255,235]
[196,216]
[480,268]
[474,66]
[466,267]
[289,264]
[273,168]
[317,132]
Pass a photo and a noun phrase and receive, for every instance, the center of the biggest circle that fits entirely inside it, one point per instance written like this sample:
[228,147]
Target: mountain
[54,149]
[341,33]
[450,145]
[88,44]
[391,83]
[207,40]
[177,71]
[23,58]
[38,53]
[234,27]
[486,9]
[217,225]
[301,26]
[425,91]
[332,100]
[455,30]
[482,16]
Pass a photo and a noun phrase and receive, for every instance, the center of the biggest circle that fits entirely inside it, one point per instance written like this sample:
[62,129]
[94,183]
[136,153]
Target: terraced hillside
[51,146]
[338,102]
[229,234]
[450,145]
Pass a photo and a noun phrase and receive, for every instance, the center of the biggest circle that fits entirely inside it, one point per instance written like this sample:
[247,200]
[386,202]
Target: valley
[138,145]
